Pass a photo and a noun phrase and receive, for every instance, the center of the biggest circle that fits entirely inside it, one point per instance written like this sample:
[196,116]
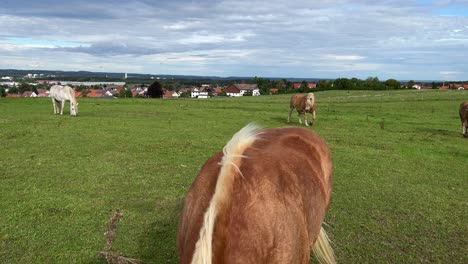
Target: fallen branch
[114,257]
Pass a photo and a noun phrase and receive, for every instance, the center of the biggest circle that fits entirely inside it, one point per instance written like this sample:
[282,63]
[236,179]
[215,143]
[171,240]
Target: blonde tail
[322,249]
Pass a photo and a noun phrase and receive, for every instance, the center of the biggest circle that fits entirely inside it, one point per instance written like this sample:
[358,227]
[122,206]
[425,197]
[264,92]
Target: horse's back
[281,200]
[296,100]
[278,202]
[60,93]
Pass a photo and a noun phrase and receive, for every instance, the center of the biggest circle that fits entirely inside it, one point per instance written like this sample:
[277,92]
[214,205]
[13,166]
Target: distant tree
[263,84]
[155,90]
[373,83]
[171,86]
[303,87]
[81,88]
[288,85]
[434,86]
[212,84]
[356,84]
[3,93]
[84,92]
[13,90]
[410,84]
[23,87]
[392,84]
[323,85]
[279,84]
[343,84]
[185,94]
[125,93]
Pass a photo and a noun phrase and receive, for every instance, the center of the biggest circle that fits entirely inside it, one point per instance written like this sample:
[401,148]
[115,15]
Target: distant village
[121,89]
[40,88]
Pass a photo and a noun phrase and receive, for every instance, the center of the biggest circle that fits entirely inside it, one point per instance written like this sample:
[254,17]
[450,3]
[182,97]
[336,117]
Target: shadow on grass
[294,121]
[440,132]
[283,120]
[158,241]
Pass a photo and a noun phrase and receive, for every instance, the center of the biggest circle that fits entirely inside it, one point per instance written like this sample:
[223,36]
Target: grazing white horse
[59,95]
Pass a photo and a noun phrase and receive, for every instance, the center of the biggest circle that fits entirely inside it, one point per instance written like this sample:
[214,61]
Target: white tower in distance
[125,77]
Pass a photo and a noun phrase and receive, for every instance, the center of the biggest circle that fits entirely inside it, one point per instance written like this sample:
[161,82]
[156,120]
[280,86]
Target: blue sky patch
[30,41]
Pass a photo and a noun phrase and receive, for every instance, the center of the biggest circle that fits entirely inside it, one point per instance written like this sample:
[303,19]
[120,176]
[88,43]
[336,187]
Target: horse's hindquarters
[279,192]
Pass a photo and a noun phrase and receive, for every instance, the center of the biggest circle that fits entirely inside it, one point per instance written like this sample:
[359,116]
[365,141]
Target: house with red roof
[310,85]
[95,93]
[217,90]
[274,90]
[167,94]
[43,93]
[241,89]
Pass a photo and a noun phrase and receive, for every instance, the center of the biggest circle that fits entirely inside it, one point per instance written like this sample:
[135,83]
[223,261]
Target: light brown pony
[464,118]
[304,103]
[262,200]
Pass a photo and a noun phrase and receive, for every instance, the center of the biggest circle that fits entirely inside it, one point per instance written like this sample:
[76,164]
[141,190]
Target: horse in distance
[261,200]
[303,103]
[463,111]
[59,95]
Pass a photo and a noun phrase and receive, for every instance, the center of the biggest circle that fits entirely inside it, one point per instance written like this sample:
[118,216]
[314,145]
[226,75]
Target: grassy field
[400,173]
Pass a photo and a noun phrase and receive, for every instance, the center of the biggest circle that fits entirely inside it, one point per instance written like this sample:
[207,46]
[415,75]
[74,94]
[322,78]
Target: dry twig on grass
[114,257]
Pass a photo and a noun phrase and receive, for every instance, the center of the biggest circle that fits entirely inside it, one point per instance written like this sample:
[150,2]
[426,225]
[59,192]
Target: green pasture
[400,173]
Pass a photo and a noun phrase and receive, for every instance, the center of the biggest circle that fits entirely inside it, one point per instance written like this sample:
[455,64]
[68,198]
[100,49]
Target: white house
[29,94]
[195,92]
[201,93]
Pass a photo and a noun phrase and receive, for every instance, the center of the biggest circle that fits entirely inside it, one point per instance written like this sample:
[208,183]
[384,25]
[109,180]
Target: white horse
[59,95]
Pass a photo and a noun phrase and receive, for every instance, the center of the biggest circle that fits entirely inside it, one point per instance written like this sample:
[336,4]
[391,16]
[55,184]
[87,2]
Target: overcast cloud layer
[419,40]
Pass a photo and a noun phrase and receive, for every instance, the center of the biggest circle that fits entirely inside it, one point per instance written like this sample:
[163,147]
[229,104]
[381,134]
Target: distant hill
[120,75]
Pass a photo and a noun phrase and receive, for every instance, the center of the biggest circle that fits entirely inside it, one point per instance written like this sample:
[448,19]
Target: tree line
[265,85]
[371,83]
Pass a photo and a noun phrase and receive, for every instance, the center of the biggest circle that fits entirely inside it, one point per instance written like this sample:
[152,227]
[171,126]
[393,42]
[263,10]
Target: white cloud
[449,72]
[398,39]
[343,57]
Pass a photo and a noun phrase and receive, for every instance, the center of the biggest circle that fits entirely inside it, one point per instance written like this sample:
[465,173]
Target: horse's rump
[463,111]
[298,101]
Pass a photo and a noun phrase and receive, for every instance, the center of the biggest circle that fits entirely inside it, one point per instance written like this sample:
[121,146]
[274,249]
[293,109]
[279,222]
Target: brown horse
[464,118]
[304,103]
[262,200]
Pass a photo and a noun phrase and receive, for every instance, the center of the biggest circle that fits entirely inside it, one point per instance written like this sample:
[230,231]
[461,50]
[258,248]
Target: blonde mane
[233,153]
[310,101]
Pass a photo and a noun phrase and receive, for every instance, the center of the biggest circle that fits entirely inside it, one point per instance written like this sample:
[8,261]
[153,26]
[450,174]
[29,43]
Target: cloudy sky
[401,39]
